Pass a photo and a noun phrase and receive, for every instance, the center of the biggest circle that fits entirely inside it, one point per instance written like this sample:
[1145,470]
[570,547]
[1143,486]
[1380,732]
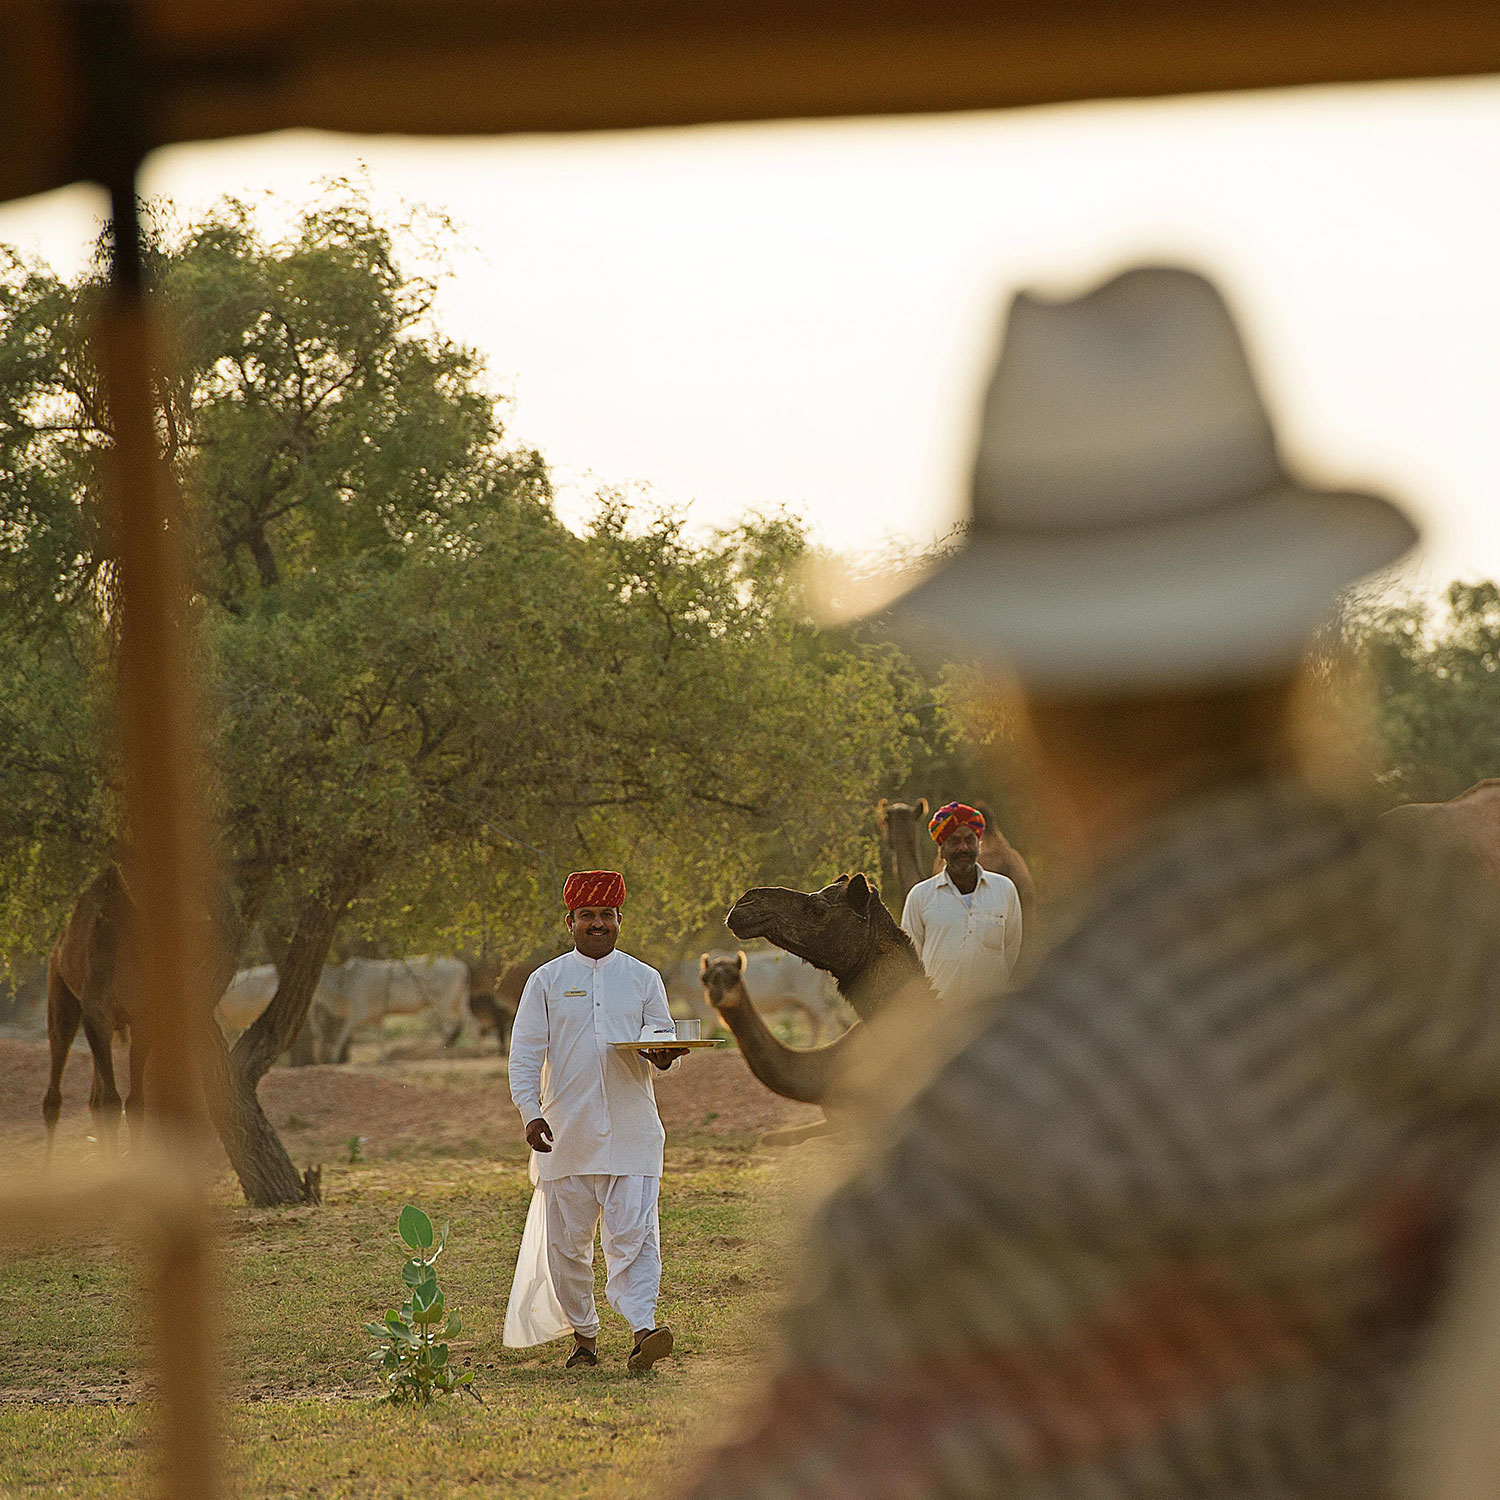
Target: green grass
[75,1410]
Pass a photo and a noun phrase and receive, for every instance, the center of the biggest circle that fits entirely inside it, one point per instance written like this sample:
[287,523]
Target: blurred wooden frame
[453,67]
[89,87]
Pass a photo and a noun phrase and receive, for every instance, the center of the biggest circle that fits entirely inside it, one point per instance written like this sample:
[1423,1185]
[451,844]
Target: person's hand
[664,1057]
[539,1135]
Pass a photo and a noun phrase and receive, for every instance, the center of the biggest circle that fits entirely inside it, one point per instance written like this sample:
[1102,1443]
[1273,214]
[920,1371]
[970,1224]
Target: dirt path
[455,1106]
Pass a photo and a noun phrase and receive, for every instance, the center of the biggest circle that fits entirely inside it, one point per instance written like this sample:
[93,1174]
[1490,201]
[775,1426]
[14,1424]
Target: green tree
[55,814]
[419,682]
[350,495]
[765,742]
[1435,671]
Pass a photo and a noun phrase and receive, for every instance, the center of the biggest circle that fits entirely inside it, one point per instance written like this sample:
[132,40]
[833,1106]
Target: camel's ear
[702,965]
[880,808]
[740,957]
[859,892]
[922,809]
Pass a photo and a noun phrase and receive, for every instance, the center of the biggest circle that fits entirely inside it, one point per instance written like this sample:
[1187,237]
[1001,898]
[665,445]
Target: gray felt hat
[1133,525]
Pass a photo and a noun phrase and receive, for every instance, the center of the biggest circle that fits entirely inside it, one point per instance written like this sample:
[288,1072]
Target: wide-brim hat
[1133,525]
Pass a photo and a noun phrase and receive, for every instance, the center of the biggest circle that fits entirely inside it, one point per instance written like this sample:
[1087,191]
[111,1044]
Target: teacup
[689,1031]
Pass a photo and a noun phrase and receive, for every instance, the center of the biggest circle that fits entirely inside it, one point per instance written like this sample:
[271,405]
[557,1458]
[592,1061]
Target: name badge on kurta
[575,994]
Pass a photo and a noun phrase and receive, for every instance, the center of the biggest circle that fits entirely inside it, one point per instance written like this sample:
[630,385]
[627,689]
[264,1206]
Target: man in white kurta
[590,1115]
[966,920]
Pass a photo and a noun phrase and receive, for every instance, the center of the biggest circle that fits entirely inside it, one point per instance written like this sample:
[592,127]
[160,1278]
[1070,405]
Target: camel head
[903,835]
[902,823]
[994,847]
[723,977]
[837,929]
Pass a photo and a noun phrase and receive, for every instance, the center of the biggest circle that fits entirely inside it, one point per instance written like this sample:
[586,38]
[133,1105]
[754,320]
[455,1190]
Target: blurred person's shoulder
[1457,841]
[1433,874]
[1433,870]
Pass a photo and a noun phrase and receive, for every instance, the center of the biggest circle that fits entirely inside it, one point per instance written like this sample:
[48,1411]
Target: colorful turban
[594,888]
[955,815]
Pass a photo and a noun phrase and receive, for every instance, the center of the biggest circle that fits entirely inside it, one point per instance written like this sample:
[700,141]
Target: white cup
[689,1031]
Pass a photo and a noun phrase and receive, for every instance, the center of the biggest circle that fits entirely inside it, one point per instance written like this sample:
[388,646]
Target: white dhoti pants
[632,1246]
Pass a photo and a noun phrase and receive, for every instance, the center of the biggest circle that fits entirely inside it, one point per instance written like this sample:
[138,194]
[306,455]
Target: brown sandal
[649,1348]
[581,1356]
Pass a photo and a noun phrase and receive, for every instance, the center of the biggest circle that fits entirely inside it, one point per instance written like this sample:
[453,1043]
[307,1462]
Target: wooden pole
[168,861]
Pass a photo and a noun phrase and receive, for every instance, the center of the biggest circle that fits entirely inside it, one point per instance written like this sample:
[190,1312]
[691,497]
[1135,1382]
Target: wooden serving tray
[708,1041]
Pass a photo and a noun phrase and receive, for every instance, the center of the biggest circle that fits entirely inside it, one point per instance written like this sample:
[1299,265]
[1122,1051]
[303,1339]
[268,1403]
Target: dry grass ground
[75,1406]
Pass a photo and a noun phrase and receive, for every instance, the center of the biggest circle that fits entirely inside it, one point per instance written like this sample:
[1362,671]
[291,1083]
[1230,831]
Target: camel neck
[889,969]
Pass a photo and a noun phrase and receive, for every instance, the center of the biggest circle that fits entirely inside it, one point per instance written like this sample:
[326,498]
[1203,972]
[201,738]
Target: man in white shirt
[590,1116]
[966,920]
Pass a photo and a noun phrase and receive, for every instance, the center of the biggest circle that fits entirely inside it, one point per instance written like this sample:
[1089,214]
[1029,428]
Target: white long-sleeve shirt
[967,947]
[598,1101]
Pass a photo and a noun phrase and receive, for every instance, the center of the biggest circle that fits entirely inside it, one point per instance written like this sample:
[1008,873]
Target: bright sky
[802,314]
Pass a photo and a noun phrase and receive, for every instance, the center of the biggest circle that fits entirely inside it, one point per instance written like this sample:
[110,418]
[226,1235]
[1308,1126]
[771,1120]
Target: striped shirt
[1172,1223]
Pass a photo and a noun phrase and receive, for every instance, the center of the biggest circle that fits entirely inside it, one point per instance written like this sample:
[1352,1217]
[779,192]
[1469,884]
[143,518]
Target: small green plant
[412,1362]
[355,1146]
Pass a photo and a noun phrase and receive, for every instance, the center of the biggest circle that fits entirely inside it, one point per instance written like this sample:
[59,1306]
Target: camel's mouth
[746,919]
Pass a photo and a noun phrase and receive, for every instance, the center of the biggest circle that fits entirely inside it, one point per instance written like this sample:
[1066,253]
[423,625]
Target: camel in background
[84,975]
[903,837]
[86,985]
[726,979]
[845,930]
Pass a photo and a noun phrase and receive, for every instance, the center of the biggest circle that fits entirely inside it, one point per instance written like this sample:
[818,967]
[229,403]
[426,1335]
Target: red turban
[955,815]
[594,888]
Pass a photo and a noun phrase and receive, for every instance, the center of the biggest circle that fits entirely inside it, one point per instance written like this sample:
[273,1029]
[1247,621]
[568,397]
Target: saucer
[707,1041]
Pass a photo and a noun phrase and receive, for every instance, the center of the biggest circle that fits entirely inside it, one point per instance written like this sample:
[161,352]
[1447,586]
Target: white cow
[361,991]
[246,996]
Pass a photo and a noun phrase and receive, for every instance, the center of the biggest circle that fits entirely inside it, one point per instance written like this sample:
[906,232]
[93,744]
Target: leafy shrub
[413,1364]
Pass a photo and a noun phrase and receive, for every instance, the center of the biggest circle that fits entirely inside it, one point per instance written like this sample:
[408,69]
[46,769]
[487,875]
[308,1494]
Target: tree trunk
[303,1052]
[263,557]
[260,1161]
